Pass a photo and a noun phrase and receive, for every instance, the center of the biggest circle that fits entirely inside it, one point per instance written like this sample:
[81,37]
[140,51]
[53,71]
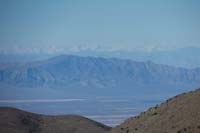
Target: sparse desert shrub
[155,113]
[183,130]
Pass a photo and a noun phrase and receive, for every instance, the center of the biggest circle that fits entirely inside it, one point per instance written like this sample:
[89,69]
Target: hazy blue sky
[103,24]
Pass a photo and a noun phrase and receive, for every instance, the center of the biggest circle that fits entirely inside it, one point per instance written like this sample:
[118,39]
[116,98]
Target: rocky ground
[180,114]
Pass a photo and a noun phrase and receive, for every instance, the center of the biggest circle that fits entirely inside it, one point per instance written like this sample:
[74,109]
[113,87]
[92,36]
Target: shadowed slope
[14,120]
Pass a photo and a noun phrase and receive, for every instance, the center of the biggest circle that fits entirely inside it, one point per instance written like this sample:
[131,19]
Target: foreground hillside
[180,114]
[17,121]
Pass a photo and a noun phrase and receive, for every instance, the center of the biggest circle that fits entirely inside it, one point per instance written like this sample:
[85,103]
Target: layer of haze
[104,24]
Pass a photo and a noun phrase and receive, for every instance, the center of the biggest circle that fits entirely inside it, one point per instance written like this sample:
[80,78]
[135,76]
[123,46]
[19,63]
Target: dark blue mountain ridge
[94,71]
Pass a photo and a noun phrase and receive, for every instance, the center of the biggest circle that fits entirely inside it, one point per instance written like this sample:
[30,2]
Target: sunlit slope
[180,114]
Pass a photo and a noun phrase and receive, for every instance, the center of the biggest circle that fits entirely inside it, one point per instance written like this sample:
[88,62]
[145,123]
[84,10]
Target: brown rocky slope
[180,114]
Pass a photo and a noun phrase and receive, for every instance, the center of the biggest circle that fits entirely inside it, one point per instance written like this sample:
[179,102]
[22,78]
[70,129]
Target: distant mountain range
[68,69]
[187,57]
[73,74]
